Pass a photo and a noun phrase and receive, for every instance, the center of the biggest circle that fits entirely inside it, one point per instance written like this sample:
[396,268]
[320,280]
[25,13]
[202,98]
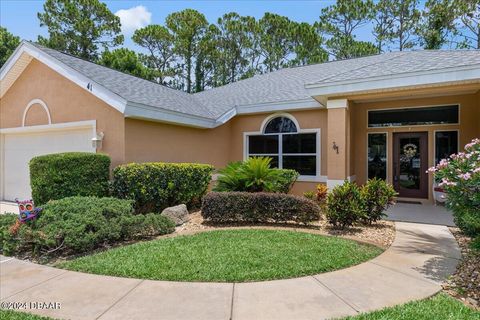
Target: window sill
[312,179]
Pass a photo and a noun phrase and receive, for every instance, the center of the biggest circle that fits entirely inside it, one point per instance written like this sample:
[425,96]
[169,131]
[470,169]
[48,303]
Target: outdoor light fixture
[97,140]
[335,147]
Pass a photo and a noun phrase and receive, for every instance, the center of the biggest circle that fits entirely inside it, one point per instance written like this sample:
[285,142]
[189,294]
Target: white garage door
[20,148]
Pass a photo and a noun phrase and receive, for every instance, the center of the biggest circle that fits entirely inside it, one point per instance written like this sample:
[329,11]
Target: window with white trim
[287,145]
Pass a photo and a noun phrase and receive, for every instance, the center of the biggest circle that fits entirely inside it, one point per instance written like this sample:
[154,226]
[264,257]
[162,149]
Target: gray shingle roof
[278,86]
[131,88]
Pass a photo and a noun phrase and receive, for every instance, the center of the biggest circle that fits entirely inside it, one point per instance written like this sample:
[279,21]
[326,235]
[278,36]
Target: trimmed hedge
[79,224]
[60,175]
[156,186]
[258,207]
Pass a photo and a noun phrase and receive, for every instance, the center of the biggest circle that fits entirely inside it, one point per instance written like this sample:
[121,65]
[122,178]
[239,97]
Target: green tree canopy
[125,60]
[159,43]
[187,26]
[276,41]
[79,27]
[469,26]
[340,22]
[8,44]
[438,23]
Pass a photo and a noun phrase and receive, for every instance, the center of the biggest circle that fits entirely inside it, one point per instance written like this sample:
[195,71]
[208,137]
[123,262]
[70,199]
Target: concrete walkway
[420,213]
[412,268]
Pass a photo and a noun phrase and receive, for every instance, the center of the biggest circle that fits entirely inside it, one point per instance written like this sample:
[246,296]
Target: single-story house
[390,116]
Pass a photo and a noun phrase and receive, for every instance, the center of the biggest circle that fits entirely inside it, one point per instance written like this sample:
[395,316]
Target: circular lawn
[227,256]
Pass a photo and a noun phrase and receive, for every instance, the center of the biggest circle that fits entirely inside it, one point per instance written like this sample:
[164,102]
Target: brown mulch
[464,284]
[380,234]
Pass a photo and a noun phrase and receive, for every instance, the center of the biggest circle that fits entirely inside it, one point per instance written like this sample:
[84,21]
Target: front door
[410,163]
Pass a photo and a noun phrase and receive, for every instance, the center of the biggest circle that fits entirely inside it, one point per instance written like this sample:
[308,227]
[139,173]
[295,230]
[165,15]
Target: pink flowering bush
[459,175]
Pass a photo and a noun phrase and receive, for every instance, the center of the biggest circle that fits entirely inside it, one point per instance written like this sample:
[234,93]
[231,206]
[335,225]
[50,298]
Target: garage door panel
[19,149]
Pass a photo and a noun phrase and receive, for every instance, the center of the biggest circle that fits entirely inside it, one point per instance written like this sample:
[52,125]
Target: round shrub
[377,196]
[258,207]
[156,186]
[79,224]
[59,175]
[345,205]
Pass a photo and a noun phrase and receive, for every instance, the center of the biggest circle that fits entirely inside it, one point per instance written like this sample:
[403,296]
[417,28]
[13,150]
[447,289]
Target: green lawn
[439,307]
[16,315]
[228,255]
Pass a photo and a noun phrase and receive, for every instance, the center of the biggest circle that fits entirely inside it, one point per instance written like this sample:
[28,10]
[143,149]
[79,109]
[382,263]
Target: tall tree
[159,43]
[208,62]
[276,41]
[469,28]
[233,43]
[340,22]
[8,44]
[254,39]
[187,26]
[126,61]
[438,23]
[307,45]
[383,23]
[406,17]
[79,27]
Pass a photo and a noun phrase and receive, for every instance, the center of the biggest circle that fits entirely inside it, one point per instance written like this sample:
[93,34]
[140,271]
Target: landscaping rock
[178,214]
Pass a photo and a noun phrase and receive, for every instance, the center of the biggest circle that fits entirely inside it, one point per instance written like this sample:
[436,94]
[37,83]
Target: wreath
[409,150]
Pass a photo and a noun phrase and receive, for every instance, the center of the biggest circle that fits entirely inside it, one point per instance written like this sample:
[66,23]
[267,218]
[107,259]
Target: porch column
[338,142]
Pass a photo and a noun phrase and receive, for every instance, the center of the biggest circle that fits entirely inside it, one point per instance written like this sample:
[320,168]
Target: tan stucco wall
[147,141]
[154,141]
[468,128]
[66,101]
[36,115]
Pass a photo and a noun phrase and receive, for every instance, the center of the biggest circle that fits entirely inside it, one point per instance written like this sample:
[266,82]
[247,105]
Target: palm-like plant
[258,175]
[252,175]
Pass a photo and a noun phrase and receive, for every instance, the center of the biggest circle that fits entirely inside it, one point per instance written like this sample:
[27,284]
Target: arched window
[280,125]
[289,147]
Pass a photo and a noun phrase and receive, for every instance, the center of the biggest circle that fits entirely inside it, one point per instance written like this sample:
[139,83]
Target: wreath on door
[410,150]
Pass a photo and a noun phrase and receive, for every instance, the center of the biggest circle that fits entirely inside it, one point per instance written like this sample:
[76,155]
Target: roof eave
[322,91]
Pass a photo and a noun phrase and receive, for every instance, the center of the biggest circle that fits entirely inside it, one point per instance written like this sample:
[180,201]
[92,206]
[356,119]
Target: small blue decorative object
[27,210]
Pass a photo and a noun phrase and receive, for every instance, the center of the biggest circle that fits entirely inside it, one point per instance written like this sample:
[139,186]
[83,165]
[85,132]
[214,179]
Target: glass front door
[410,157]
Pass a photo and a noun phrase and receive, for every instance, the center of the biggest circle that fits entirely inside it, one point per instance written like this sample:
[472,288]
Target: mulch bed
[464,284]
[380,234]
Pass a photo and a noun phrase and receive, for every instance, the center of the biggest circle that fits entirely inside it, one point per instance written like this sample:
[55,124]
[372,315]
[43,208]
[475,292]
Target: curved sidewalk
[412,268]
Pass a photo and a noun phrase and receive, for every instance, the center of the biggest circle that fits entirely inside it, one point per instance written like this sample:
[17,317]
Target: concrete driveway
[421,213]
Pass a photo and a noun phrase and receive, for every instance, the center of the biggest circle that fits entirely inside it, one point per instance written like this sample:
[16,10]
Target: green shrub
[459,175]
[156,186]
[345,205]
[255,175]
[80,224]
[377,196]
[286,180]
[7,221]
[258,207]
[61,175]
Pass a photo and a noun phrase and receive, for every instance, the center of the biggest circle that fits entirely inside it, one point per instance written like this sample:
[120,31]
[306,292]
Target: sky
[20,16]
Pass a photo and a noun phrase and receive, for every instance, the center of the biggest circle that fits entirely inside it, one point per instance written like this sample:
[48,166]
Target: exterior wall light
[97,140]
